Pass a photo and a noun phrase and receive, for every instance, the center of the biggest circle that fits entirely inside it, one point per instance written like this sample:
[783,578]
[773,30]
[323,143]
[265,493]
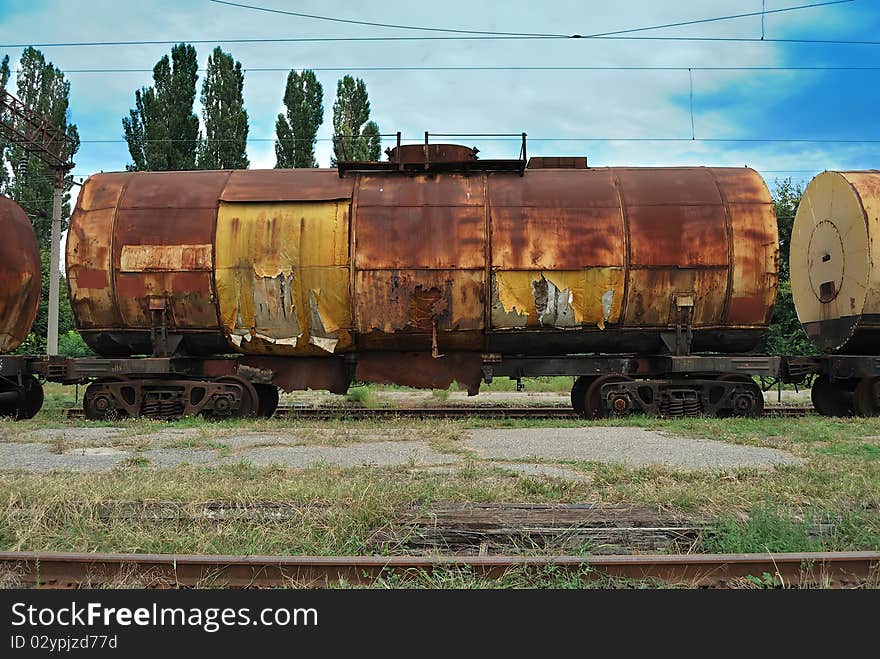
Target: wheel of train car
[866,397]
[832,398]
[98,405]
[249,400]
[749,401]
[579,393]
[593,408]
[31,399]
[267,397]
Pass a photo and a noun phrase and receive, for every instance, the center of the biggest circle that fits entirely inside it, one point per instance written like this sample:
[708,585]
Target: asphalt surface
[544,452]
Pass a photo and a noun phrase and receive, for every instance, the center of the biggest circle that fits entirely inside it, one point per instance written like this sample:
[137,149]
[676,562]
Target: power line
[542,139]
[261,40]
[389,25]
[761,13]
[341,69]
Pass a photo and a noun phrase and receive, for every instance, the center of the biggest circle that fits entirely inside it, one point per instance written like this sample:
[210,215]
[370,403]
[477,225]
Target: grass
[837,490]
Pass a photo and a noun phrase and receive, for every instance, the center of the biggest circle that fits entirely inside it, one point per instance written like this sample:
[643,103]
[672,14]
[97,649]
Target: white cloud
[545,104]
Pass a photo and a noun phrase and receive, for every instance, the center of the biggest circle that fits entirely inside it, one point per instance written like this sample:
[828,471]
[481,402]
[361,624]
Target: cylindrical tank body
[835,252]
[308,263]
[19,275]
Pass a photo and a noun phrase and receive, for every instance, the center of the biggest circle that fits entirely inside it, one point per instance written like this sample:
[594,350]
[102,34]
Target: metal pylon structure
[27,128]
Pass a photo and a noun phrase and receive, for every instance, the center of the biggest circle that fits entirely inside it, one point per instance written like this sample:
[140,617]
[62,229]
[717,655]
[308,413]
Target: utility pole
[37,135]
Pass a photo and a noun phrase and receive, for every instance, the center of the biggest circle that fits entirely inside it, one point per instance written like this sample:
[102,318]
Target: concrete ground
[529,451]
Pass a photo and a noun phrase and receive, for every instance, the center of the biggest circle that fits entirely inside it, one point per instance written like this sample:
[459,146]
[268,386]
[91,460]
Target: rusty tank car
[432,267]
[835,283]
[21,395]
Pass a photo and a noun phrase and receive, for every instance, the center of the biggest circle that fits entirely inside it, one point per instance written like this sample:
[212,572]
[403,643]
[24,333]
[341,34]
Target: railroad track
[494,412]
[73,570]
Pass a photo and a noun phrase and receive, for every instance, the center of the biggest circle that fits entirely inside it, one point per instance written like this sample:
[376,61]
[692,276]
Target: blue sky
[545,104]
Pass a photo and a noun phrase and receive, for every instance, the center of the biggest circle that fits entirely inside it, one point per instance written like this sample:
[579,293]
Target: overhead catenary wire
[809,140]
[423,28]
[265,40]
[343,69]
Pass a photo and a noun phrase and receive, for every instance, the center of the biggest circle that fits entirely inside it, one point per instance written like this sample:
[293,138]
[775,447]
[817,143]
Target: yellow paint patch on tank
[282,277]
[557,298]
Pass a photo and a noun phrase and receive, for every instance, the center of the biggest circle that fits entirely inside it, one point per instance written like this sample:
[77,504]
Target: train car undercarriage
[604,385]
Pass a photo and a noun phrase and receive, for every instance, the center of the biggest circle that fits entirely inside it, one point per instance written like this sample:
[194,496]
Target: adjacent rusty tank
[835,250]
[450,259]
[19,275]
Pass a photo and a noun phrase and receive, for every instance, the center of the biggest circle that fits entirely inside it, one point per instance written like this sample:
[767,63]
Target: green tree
[296,133]
[351,123]
[162,131]
[226,120]
[4,145]
[41,87]
[786,336]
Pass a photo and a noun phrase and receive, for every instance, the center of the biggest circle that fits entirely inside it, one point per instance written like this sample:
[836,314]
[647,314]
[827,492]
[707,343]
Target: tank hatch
[437,157]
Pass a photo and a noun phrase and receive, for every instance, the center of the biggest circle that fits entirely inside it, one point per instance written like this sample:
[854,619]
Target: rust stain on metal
[95,279]
[435,237]
[420,369]
[414,300]
[19,275]
[263,259]
[153,258]
[276,185]
[88,252]
[421,153]
[301,373]
[166,210]
[283,277]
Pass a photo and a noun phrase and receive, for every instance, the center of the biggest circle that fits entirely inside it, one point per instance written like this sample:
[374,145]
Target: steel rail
[493,412]
[73,570]
[543,412]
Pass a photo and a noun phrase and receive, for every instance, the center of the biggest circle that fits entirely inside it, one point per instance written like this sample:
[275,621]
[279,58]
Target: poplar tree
[296,131]
[162,131]
[4,146]
[351,122]
[226,121]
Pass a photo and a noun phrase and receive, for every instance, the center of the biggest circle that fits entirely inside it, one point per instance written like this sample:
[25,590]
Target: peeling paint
[283,276]
[607,303]
[165,258]
[321,335]
[564,299]
[552,304]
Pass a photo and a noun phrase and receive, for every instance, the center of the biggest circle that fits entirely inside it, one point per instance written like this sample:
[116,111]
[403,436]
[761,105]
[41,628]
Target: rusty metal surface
[754,238]
[157,213]
[299,374]
[420,153]
[557,162]
[421,370]
[613,249]
[19,275]
[283,278]
[88,252]
[60,570]
[286,185]
[420,262]
[305,263]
